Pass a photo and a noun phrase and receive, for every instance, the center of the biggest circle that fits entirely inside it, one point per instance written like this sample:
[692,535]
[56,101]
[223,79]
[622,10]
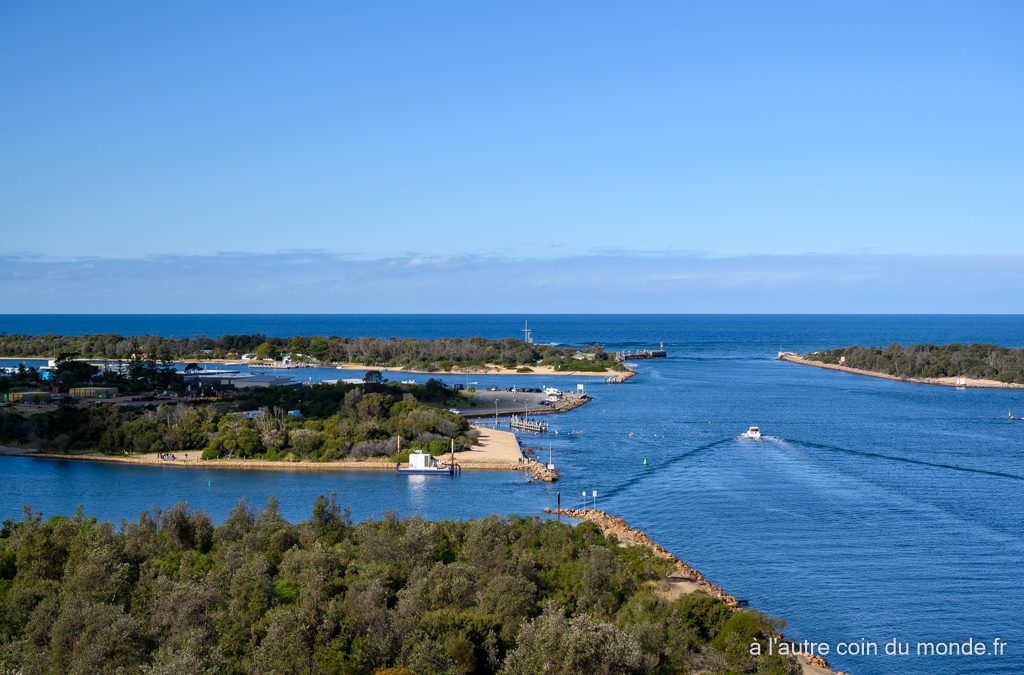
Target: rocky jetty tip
[612,525]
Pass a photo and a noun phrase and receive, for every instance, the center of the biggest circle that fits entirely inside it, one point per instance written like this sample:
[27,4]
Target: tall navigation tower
[527,333]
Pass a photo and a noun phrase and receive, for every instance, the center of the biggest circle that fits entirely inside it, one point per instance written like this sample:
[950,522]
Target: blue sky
[560,134]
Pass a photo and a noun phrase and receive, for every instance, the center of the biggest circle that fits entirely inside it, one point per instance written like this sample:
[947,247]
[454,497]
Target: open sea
[873,510]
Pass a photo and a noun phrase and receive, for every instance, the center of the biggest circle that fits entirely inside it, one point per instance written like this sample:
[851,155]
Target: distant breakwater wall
[939,382]
[609,524]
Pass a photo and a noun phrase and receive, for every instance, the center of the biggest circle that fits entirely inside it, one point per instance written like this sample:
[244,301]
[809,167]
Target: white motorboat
[423,462]
[752,432]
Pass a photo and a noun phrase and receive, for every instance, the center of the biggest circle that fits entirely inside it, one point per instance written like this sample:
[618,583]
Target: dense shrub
[171,594]
[979,361]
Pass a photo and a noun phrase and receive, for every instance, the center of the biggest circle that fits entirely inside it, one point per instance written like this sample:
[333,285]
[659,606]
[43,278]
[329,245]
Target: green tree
[268,351]
[91,637]
[554,644]
[72,372]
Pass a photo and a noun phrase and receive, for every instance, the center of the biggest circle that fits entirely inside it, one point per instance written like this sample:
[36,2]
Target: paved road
[508,402]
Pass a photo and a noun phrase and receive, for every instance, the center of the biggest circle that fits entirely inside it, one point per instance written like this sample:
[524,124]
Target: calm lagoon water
[875,510]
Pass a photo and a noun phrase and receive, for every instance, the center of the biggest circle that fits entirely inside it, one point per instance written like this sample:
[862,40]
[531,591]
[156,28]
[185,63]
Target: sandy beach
[192,459]
[490,369]
[497,451]
[936,381]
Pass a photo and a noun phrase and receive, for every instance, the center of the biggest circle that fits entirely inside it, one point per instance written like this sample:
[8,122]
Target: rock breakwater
[612,525]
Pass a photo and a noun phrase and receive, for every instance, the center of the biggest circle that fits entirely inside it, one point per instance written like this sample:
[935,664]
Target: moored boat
[423,462]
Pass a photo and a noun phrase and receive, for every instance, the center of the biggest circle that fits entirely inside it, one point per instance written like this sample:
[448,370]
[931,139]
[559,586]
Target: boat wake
[763,439]
[674,460]
[907,460]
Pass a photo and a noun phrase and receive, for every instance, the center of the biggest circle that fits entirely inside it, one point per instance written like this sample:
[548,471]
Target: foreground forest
[429,355]
[979,361]
[171,593]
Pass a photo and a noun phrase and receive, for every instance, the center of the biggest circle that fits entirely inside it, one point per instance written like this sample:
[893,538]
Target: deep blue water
[876,509]
[730,332]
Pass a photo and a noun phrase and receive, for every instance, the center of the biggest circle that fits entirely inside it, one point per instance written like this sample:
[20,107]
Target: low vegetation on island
[313,423]
[975,361]
[171,593]
[427,355]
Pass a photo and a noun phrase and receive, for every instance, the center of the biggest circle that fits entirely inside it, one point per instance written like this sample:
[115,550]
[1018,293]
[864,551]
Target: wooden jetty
[527,424]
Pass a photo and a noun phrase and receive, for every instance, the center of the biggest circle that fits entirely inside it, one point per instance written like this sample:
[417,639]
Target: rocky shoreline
[538,470]
[570,402]
[612,525]
[623,376]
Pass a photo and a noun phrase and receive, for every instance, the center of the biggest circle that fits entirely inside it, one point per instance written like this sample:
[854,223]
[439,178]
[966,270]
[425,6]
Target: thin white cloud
[436,261]
[321,282]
